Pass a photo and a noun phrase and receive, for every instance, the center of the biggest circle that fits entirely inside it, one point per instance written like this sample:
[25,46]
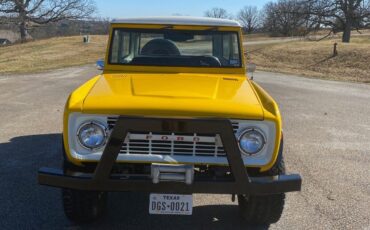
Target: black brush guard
[102,180]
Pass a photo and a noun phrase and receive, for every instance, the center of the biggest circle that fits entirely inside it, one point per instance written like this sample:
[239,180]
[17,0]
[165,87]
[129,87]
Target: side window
[230,49]
[126,44]
[226,39]
[235,47]
[120,46]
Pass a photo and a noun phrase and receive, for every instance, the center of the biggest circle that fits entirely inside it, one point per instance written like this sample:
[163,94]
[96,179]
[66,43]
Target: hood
[175,95]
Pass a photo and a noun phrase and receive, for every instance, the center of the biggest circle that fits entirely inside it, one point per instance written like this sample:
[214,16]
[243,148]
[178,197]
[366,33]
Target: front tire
[83,206]
[261,209]
[266,209]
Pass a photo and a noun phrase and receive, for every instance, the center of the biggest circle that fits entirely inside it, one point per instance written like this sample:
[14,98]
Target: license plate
[170,204]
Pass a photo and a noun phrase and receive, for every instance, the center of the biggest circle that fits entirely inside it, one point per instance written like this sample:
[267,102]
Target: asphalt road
[327,140]
[272,41]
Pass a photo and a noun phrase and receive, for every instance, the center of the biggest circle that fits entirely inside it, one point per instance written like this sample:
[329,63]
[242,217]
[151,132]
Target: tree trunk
[347,32]
[22,23]
[249,29]
[23,31]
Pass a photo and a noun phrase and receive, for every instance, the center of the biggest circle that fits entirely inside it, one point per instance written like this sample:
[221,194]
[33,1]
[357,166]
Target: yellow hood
[175,95]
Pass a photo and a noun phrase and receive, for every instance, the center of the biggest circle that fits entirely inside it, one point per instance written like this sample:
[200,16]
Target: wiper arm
[167,27]
[214,28]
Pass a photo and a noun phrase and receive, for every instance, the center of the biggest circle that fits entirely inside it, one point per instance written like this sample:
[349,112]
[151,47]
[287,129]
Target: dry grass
[257,37]
[42,55]
[315,59]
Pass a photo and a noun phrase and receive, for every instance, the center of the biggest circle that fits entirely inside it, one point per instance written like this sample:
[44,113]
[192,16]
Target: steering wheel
[160,47]
[210,61]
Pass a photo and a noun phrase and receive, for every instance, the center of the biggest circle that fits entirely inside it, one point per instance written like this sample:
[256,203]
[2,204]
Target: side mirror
[100,64]
[251,68]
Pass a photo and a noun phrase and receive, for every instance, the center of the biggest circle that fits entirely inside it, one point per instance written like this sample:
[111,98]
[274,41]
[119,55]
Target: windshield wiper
[167,27]
[214,28]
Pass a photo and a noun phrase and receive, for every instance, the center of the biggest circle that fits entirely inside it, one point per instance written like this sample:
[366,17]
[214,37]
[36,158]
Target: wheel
[261,209]
[83,206]
[266,209]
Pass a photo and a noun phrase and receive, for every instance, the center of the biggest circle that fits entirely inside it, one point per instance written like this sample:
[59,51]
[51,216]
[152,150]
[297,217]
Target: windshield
[175,48]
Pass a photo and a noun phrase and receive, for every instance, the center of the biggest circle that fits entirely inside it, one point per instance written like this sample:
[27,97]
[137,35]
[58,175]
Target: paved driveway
[327,140]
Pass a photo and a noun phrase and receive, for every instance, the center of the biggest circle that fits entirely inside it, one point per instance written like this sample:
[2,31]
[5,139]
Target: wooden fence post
[335,51]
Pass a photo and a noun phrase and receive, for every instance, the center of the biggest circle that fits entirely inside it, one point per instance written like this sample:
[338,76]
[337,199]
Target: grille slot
[168,144]
[112,121]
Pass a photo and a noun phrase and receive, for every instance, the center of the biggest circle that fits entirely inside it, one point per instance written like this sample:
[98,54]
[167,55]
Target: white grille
[173,144]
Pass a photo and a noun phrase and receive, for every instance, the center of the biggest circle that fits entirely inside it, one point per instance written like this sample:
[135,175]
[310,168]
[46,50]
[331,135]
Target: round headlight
[92,135]
[252,141]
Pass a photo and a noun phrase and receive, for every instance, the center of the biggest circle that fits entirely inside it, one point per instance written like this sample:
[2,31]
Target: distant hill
[9,30]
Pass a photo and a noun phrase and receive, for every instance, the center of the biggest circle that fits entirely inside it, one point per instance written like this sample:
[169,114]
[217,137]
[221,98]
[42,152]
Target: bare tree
[249,17]
[287,18]
[340,15]
[217,13]
[31,12]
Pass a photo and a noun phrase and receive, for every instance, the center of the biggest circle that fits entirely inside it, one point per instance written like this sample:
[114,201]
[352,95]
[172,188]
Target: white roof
[179,20]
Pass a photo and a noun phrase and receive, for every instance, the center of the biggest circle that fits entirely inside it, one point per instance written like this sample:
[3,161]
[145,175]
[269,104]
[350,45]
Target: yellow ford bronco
[173,114]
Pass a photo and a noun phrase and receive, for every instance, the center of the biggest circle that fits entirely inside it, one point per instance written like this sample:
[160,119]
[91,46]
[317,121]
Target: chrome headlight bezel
[102,128]
[260,149]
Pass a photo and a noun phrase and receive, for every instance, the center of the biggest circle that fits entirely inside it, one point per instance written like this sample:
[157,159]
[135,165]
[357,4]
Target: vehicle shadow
[21,198]
[27,152]
[130,211]
[40,207]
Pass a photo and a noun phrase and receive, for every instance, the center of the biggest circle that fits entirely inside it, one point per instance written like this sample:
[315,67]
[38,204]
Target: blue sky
[139,8]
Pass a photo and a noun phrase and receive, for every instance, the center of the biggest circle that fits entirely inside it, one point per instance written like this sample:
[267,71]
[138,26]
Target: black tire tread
[261,209]
[264,209]
[83,206]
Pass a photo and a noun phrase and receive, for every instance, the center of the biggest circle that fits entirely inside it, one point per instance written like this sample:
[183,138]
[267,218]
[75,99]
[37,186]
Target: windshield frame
[210,31]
